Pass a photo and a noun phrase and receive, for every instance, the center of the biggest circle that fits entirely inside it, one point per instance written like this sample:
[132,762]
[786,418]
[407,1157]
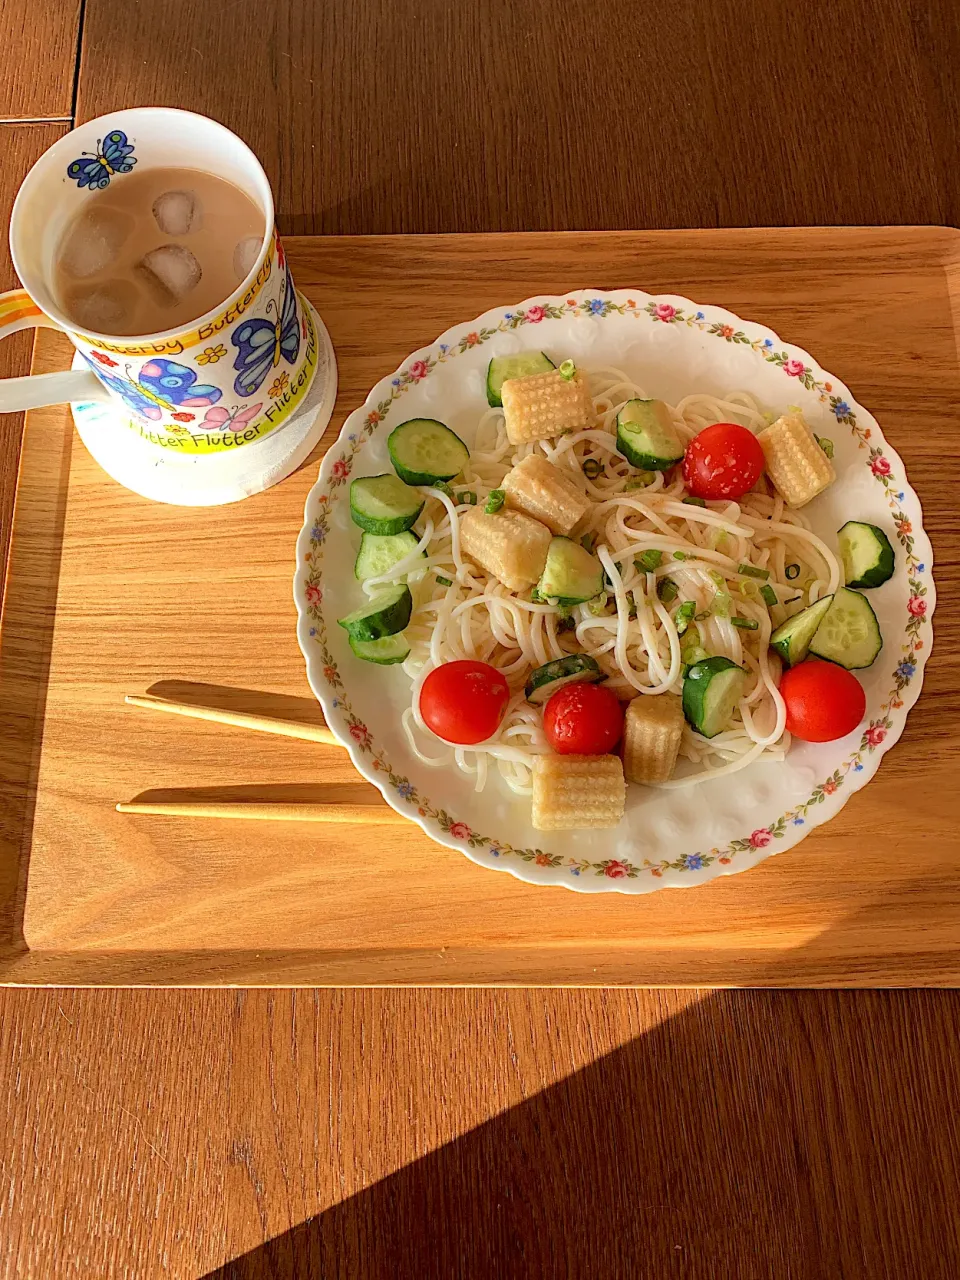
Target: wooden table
[486,1133]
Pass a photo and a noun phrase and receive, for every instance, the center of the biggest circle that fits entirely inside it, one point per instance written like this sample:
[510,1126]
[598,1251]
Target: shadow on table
[754,1134]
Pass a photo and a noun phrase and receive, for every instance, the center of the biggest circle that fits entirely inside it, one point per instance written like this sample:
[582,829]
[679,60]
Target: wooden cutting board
[109,594]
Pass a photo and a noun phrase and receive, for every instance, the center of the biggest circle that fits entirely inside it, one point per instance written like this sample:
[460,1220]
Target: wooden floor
[485,1133]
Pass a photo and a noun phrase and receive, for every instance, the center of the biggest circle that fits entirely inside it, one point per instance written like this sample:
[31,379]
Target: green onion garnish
[745,624]
[679,555]
[567,370]
[468,497]
[721,604]
[702,615]
[667,590]
[694,502]
[597,607]
[793,571]
[696,655]
[588,541]
[496,500]
[641,480]
[444,488]
[684,616]
[750,571]
[825,444]
[444,582]
[592,468]
[768,595]
[649,560]
[717,577]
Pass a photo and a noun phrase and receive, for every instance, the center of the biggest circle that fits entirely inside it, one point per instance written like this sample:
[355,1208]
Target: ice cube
[170,272]
[245,256]
[93,241]
[103,308]
[178,212]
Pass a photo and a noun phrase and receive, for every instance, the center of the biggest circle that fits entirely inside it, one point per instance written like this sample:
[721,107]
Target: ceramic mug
[225,380]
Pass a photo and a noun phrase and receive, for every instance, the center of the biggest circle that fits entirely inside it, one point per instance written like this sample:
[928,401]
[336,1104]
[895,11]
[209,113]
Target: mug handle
[19,311]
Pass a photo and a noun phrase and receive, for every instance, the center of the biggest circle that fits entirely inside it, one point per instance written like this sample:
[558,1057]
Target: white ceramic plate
[671,347]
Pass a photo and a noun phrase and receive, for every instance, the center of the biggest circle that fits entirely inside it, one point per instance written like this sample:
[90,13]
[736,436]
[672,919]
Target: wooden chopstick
[370,813]
[242,720]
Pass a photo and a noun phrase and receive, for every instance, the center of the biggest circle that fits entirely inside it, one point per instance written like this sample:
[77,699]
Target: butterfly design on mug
[161,386]
[95,169]
[261,343]
[220,419]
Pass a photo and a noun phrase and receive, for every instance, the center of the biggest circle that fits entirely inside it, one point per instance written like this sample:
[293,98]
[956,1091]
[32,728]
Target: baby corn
[652,729]
[545,404]
[508,544]
[795,462]
[540,489]
[576,792]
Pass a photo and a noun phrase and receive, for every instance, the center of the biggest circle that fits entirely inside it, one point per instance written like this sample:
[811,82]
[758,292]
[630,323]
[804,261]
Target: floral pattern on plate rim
[662,312]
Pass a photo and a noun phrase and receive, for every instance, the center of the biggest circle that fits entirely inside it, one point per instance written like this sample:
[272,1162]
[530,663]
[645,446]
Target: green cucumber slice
[571,574]
[646,435]
[849,634]
[501,368]
[424,451]
[711,690]
[868,559]
[380,552]
[575,668]
[792,638]
[385,615]
[385,651]
[384,504]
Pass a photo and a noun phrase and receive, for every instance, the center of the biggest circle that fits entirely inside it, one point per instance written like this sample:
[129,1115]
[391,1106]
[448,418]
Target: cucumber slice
[867,555]
[385,615]
[575,668]
[849,634]
[384,504]
[385,651]
[646,435]
[571,574]
[501,368]
[424,451]
[379,553]
[711,690]
[792,638]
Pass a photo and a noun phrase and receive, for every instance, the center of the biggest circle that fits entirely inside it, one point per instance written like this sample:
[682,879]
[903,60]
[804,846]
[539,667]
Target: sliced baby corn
[795,462]
[577,792]
[545,404]
[540,489]
[507,544]
[652,729]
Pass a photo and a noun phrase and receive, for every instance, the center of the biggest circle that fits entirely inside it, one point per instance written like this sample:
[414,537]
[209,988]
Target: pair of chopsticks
[334,812]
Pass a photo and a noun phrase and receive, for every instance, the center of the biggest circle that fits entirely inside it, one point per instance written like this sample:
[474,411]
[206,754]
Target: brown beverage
[156,250]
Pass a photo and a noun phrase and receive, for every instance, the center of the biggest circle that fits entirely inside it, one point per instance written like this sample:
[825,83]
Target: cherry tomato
[463,702]
[583,719]
[723,461]
[823,701]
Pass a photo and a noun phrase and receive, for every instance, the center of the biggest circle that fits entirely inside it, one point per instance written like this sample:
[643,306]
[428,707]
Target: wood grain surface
[161,1134]
[199,603]
[38,69]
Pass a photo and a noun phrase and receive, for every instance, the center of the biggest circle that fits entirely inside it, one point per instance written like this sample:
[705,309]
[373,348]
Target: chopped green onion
[825,444]
[588,541]
[750,571]
[702,616]
[684,616]
[667,590]
[567,370]
[717,578]
[694,502]
[468,497]
[679,555]
[649,560]
[717,540]
[597,607]
[696,655]
[721,604]
[496,500]
[568,623]
[564,611]
[444,488]
[792,571]
[444,582]
[768,595]
[747,588]
[640,481]
[592,468]
[745,624]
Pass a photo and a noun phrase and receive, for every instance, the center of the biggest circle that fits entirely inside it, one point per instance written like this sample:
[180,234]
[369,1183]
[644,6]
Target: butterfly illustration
[261,343]
[95,169]
[162,385]
[220,419]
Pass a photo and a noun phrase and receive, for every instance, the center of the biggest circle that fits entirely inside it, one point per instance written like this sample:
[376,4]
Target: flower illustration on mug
[182,417]
[210,355]
[279,385]
[98,355]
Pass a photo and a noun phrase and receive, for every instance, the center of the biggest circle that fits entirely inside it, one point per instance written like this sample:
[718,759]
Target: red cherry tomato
[823,701]
[464,702]
[723,461]
[583,719]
